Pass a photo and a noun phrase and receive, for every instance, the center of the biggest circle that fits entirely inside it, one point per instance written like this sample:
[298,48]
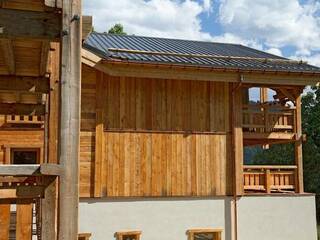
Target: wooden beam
[8,54]
[86,26]
[49,212]
[45,49]
[272,135]
[22,109]
[25,84]
[298,147]
[30,170]
[54,102]
[99,136]
[70,119]
[53,3]
[288,94]
[29,24]
[263,95]
[237,142]
[22,192]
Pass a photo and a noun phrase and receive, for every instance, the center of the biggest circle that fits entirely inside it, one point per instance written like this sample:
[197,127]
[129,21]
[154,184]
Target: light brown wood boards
[161,137]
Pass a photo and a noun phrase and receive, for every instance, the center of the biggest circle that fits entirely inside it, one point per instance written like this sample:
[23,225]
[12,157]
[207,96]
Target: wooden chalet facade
[157,143]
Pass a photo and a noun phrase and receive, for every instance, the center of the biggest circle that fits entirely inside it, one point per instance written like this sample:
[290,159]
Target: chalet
[130,138]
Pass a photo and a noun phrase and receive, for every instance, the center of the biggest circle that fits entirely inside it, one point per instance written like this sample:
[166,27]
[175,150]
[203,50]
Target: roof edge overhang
[187,72]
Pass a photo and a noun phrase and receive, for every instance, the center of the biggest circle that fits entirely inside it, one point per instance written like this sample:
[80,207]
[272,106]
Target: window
[132,235]
[25,156]
[204,234]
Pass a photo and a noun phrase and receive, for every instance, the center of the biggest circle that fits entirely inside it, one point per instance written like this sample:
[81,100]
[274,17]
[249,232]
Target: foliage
[284,153]
[311,149]
[117,29]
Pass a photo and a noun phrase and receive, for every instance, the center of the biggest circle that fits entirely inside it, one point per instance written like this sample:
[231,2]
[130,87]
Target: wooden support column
[298,148]
[49,213]
[237,138]
[263,95]
[99,137]
[70,120]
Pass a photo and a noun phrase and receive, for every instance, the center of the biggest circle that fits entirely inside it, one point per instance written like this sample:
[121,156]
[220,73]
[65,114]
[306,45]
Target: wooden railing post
[268,180]
[266,120]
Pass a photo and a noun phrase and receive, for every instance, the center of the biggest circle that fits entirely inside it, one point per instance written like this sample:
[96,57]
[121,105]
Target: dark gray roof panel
[101,43]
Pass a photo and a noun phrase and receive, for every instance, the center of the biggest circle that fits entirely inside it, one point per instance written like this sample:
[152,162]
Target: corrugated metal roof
[175,51]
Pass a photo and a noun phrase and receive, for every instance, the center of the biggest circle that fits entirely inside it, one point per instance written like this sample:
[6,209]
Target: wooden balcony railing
[268,179]
[265,118]
[23,119]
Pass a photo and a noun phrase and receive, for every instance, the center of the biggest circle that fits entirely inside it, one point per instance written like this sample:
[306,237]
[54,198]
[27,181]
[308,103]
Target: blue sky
[290,28]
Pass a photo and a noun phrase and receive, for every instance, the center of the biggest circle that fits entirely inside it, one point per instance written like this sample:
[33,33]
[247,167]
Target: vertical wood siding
[161,137]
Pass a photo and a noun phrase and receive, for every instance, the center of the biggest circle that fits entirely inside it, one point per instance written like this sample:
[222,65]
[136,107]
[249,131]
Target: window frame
[8,156]
[216,231]
[120,235]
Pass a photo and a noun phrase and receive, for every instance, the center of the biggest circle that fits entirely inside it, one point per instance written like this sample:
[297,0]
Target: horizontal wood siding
[161,137]
[18,139]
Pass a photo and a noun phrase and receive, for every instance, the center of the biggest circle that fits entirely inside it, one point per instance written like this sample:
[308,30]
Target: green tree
[311,149]
[117,29]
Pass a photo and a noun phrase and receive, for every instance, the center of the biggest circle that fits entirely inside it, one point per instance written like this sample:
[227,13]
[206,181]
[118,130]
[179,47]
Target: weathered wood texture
[54,69]
[161,137]
[30,24]
[69,132]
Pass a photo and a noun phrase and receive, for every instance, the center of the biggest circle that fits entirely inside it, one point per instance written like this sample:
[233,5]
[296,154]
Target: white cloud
[277,23]
[207,5]
[313,59]
[274,51]
[235,39]
[160,18]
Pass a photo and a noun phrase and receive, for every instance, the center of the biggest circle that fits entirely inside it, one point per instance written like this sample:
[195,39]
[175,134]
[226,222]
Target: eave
[197,73]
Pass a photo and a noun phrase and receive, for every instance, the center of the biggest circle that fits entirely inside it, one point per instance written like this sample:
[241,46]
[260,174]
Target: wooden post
[298,148]
[49,213]
[70,119]
[237,139]
[99,137]
[263,95]
[268,181]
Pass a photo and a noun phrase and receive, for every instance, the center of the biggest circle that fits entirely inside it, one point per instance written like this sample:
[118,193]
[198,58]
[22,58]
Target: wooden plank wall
[161,137]
[17,138]
[19,225]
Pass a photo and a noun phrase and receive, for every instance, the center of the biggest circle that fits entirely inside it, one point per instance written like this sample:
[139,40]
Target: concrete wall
[277,218]
[263,218]
[158,219]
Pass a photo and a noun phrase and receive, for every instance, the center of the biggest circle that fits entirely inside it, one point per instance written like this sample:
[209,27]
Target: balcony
[268,123]
[269,179]
[24,121]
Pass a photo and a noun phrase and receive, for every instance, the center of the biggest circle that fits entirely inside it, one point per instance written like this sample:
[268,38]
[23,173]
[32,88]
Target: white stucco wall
[277,218]
[263,218]
[158,219]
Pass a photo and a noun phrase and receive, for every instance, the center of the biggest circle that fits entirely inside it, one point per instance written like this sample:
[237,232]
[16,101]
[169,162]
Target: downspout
[234,228]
